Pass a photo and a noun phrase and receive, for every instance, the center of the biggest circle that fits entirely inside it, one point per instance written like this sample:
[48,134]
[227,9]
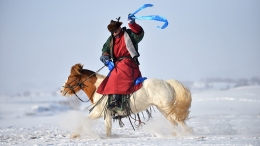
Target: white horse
[170,97]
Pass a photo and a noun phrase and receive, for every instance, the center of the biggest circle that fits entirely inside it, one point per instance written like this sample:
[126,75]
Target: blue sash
[150,17]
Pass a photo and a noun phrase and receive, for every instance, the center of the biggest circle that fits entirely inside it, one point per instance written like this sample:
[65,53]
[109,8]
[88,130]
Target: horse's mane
[75,69]
[78,70]
[100,76]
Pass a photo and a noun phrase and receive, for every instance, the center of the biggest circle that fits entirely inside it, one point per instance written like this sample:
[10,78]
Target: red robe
[122,77]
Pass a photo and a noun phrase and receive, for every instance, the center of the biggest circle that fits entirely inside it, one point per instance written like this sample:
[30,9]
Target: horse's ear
[81,71]
[76,69]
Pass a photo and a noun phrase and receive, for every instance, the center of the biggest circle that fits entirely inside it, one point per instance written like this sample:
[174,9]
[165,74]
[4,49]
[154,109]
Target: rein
[81,83]
[93,74]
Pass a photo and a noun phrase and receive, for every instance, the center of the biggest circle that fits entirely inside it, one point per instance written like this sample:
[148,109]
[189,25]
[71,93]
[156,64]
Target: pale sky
[40,40]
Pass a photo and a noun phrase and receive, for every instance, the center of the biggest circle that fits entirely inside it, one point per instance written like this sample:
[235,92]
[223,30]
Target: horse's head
[79,79]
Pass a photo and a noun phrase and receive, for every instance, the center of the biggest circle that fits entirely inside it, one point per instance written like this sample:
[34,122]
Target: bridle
[80,84]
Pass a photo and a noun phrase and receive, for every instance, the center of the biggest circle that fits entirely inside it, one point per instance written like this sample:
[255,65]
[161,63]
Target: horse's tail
[181,104]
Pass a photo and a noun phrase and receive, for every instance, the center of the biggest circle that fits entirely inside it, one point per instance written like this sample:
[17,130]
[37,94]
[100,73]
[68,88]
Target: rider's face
[117,31]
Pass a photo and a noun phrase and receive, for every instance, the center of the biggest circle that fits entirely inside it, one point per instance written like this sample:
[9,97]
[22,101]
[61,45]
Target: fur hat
[114,25]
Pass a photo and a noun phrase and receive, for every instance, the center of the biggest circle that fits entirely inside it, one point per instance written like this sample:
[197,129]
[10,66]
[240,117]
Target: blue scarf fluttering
[150,17]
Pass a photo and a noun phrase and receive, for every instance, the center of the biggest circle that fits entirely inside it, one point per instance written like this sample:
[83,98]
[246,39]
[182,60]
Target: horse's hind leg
[175,123]
[169,118]
[185,127]
[181,123]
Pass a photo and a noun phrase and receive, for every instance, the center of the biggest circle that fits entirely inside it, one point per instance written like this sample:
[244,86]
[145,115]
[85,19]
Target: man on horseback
[120,54]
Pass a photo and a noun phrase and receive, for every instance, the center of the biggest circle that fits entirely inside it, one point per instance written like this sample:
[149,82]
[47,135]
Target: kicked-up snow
[217,117]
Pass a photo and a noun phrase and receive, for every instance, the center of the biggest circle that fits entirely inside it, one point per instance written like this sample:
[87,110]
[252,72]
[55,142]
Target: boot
[115,102]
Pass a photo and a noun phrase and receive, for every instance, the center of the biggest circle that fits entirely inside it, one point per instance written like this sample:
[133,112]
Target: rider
[120,54]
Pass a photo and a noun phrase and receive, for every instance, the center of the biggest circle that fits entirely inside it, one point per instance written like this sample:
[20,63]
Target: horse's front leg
[108,123]
[86,123]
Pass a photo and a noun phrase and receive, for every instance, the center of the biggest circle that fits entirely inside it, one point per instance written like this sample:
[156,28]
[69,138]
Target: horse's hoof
[190,131]
[174,134]
[74,135]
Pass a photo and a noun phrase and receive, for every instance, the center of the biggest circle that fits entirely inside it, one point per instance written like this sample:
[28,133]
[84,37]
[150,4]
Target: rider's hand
[110,65]
[130,19]
[105,58]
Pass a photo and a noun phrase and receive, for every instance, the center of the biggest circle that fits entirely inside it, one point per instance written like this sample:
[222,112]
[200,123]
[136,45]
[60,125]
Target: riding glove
[105,58]
[130,19]
[110,65]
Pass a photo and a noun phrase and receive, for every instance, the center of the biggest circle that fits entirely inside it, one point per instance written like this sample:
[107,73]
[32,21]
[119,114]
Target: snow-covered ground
[218,117]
